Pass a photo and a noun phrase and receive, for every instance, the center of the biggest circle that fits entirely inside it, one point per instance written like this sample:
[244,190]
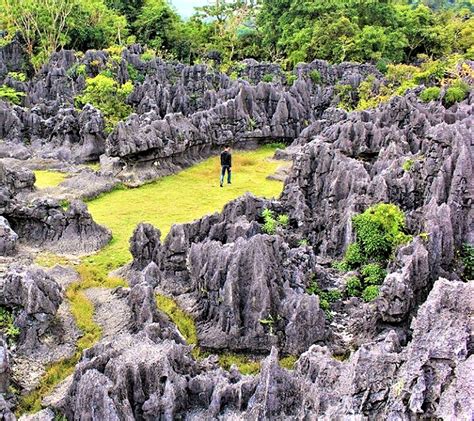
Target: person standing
[226,164]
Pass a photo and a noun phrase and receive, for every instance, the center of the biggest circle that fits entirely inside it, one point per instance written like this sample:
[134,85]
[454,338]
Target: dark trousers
[224,169]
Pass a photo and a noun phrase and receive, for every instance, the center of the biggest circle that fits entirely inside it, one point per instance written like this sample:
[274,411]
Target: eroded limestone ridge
[404,355]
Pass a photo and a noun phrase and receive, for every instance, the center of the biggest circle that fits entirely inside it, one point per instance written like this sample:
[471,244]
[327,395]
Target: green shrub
[455,93]
[291,79]
[315,76]
[373,273]
[354,256]
[11,95]
[467,257]
[382,65]
[21,77]
[283,220]
[108,96]
[408,165]
[268,78]
[77,70]
[148,55]
[353,286]
[7,326]
[340,265]
[325,297]
[430,94]
[134,74]
[379,230]
[272,222]
[370,293]
[345,92]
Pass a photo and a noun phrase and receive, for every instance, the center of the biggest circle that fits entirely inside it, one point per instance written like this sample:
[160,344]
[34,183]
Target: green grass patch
[178,199]
[83,311]
[244,363]
[45,178]
[48,260]
[288,362]
[183,321]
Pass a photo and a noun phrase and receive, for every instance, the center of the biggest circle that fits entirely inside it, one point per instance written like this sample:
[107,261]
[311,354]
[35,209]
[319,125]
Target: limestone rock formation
[37,298]
[8,238]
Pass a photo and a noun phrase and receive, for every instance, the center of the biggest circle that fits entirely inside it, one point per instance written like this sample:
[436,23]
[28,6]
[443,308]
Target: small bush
[148,55]
[354,256]
[272,222]
[108,96]
[345,94]
[315,76]
[373,274]
[7,326]
[283,220]
[21,77]
[370,293]
[455,93]
[408,165]
[268,78]
[134,74]
[430,94]
[291,79]
[77,70]
[340,265]
[379,230]
[353,286]
[11,95]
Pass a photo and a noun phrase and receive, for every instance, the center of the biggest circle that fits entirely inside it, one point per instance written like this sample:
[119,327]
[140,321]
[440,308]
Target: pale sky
[186,7]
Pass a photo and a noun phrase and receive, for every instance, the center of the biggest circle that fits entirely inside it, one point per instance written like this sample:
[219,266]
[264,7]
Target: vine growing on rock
[379,231]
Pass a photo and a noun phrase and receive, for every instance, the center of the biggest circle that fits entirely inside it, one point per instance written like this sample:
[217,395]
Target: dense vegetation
[289,31]
[379,231]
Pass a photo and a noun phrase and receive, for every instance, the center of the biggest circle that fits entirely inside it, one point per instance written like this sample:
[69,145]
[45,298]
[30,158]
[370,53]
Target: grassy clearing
[83,311]
[175,199]
[179,198]
[46,179]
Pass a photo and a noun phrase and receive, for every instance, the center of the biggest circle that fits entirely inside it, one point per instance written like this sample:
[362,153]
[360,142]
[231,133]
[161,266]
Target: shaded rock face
[37,296]
[8,238]
[4,367]
[48,225]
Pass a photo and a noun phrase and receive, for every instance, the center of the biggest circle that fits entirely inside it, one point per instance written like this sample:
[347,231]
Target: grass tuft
[45,178]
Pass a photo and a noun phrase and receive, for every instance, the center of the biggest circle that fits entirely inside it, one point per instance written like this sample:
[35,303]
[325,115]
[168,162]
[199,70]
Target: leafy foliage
[455,93]
[370,293]
[7,325]
[268,78]
[326,297]
[430,94]
[271,223]
[408,165]
[11,95]
[108,96]
[379,230]
[315,76]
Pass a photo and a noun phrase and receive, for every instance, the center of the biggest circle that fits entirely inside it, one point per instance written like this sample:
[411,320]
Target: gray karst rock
[37,298]
[45,223]
[4,367]
[435,378]
[405,355]
[8,238]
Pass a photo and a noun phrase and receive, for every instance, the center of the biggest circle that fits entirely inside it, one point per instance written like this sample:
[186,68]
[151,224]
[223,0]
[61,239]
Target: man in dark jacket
[226,164]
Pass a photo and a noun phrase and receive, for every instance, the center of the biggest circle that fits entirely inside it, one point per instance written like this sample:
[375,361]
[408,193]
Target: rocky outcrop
[37,296]
[45,223]
[8,238]
[4,367]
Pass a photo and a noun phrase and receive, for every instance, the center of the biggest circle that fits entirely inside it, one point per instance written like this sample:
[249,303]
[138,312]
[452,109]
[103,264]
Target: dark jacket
[226,159]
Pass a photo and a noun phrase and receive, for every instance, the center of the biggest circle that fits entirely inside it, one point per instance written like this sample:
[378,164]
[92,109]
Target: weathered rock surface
[8,238]
[37,298]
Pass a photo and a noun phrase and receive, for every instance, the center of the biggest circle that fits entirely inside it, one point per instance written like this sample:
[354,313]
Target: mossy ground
[46,179]
[178,198]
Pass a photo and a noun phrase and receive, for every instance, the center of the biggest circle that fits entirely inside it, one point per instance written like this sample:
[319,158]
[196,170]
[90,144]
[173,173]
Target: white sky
[186,7]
